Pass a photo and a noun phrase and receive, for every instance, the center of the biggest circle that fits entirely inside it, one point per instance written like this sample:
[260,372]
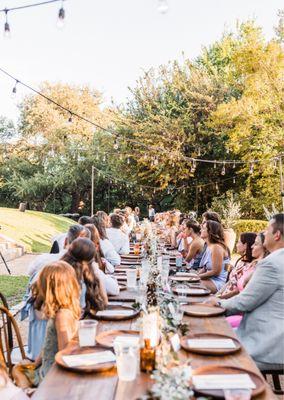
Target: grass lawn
[13,288]
[33,229]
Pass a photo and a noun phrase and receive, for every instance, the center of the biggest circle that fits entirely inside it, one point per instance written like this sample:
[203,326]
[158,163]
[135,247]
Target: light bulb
[115,145]
[234,180]
[7,32]
[223,172]
[61,18]
[163,6]
[70,119]
[215,165]
[14,91]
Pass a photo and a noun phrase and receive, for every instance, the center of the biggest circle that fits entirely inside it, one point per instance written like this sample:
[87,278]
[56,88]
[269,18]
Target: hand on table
[212,301]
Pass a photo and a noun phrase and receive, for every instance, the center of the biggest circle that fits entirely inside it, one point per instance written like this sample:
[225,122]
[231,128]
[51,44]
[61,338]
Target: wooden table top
[62,384]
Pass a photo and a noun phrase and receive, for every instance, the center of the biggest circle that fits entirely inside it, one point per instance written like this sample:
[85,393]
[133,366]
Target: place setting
[110,338]
[117,313]
[183,291]
[210,344]
[193,309]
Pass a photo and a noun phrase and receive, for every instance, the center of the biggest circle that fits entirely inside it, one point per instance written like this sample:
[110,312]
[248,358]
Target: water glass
[237,394]
[127,361]
[182,292]
[87,332]
[178,315]
[131,275]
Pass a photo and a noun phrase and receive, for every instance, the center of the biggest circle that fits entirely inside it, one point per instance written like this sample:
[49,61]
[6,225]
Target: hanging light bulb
[156,161]
[223,172]
[14,90]
[227,150]
[234,165]
[70,119]
[200,189]
[128,160]
[199,152]
[61,17]
[193,167]
[104,158]
[183,191]
[215,164]
[234,180]
[251,168]
[163,6]
[7,31]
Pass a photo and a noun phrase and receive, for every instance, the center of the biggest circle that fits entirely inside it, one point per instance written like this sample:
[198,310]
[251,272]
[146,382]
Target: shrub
[249,225]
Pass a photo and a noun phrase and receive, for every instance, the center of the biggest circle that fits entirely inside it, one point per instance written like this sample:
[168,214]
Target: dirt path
[19,266]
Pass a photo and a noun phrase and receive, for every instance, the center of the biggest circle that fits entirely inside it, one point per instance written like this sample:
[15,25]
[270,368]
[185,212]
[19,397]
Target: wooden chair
[275,374]
[9,326]
[8,329]
[228,268]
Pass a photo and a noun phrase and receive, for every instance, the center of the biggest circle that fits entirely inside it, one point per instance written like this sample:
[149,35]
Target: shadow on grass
[37,246]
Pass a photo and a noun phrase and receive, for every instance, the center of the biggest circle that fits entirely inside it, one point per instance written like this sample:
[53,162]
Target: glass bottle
[147,357]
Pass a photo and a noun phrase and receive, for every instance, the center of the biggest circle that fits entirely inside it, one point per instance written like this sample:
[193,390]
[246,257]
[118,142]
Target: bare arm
[65,327]
[217,255]
[193,250]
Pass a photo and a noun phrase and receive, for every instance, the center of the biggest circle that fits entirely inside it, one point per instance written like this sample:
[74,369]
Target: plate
[131,257]
[218,370]
[118,317]
[133,263]
[193,291]
[76,349]
[106,338]
[202,310]
[211,351]
[122,286]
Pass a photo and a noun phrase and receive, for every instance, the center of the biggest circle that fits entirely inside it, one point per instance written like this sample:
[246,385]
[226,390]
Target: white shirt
[60,240]
[109,282]
[119,240]
[42,260]
[151,212]
[109,252]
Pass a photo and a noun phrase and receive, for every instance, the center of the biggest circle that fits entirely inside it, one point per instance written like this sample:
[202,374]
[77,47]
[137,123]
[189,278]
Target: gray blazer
[262,303]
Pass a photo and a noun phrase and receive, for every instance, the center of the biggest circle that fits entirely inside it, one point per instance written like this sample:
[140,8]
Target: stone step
[12,253]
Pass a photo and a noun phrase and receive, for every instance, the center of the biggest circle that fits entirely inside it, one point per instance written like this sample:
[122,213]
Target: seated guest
[194,251]
[7,388]
[84,220]
[40,261]
[244,248]
[107,247]
[57,294]
[261,330]
[136,214]
[100,264]
[103,218]
[172,229]
[80,256]
[119,239]
[129,218]
[242,278]
[213,216]
[215,257]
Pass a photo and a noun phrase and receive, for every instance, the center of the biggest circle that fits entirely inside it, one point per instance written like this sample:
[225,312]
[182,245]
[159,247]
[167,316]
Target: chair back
[9,329]
[228,268]
[9,326]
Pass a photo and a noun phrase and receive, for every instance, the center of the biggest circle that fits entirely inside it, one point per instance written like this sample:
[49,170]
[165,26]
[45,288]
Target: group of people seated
[76,278]
[251,290]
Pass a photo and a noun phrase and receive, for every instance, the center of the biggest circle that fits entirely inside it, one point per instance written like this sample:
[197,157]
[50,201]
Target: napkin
[130,340]
[114,312]
[190,290]
[226,381]
[211,343]
[77,360]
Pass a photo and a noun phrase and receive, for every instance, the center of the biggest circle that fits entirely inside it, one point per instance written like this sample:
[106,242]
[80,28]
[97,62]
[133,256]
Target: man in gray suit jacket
[261,330]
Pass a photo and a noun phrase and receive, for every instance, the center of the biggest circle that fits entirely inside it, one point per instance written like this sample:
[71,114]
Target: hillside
[33,229]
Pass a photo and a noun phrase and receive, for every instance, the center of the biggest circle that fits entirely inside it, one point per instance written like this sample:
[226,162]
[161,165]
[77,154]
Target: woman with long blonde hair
[57,294]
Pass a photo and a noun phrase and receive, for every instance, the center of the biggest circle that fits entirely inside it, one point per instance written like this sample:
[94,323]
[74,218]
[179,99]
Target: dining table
[63,384]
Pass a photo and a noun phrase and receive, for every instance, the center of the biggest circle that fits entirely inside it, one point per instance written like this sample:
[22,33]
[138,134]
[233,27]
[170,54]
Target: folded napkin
[114,313]
[131,340]
[226,381]
[211,343]
[190,290]
[77,360]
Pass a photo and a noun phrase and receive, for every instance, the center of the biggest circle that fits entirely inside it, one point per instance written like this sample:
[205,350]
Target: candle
[151,328]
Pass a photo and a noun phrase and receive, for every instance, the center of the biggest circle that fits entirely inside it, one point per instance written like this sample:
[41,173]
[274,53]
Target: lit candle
[151,328]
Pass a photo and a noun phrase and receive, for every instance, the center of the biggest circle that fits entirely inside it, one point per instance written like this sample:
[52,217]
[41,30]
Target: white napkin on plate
[226,381]
[211,343]
[76,360]
[114,312]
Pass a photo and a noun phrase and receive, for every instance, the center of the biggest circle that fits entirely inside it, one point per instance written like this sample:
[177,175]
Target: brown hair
[81,255]
[216,234]
[116,220]
[100,226]
[95,238]
[56,288]
[194,225]
[212,216]
[248,238]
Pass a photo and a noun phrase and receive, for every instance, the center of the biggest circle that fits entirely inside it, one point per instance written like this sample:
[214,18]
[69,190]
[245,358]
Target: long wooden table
[62,384]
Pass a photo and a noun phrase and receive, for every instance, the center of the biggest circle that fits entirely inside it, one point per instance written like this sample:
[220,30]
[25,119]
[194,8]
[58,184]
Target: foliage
[13,288]
[228,207]
[249,225]
[31,228]
[269,214]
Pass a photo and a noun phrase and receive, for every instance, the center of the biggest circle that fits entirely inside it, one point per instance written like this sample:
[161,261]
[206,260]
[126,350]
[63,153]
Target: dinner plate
[122,286]
[119,313]
[202,310]
[226,370]
[76,349]
[210,351]
[184,278]
[107,338]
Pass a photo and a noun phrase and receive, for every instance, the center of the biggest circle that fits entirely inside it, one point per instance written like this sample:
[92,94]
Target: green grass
[33,229]
[13,288]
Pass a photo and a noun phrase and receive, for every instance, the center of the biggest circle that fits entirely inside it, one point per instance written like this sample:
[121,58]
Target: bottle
[147,357]
[179,261]
[136,249]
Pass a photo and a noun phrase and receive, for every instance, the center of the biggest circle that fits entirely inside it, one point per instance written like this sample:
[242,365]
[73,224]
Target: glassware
[237,394]
[182,292]
[178,315]
[136,249]
[87,332]
[131,275]
[127,361]
[179,261]
[147,357]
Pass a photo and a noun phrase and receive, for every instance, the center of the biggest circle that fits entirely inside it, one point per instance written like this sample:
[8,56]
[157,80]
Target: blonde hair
[58,288]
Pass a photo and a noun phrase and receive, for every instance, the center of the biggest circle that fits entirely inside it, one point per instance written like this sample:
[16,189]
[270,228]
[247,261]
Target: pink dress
[248,270]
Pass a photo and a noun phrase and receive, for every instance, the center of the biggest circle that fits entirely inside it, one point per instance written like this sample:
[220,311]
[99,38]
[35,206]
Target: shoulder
[63,315]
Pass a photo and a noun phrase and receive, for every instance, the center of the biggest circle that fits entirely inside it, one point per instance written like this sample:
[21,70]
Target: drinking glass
[182,292]
[237,394]
[127,361]
[131,275]
[87,332]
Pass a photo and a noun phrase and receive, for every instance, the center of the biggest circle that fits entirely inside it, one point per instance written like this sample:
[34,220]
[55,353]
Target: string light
[128,160]
[215,165]
[70,119]
[104,158]
[61,17]
[251,168]
[199,152]
[163,6]
[223,172]
[7,31]
[234,180]
[234,164]
[200,189]
[116,145]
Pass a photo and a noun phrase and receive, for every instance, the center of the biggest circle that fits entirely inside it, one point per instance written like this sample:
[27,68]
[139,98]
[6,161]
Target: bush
[249,225]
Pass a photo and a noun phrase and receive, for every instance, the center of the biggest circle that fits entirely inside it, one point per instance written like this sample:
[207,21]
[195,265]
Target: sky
[107,44]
